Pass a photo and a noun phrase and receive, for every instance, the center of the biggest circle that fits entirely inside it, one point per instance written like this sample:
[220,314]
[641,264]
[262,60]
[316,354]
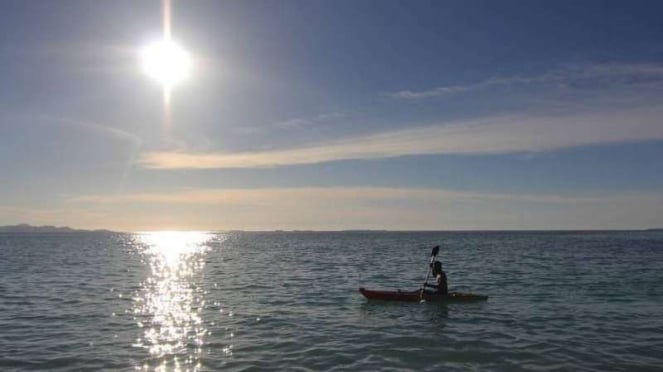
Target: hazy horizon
[76,229]
[332,115]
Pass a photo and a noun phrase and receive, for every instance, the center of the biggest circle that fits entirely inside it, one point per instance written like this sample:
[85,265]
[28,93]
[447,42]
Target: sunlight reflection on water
[170,302]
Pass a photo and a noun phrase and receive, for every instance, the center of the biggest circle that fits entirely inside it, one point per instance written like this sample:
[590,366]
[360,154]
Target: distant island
[26,228]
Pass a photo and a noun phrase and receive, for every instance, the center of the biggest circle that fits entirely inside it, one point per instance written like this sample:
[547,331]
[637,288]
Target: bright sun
[166,62]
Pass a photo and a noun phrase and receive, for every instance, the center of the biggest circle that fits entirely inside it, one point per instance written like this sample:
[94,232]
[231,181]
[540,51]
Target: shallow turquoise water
[274,301]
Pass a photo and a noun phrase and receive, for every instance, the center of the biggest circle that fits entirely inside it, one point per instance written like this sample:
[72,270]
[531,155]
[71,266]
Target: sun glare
[170,303]
[166,62]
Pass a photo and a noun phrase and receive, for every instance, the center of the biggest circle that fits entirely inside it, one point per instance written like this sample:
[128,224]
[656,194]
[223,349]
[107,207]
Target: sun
[166,62]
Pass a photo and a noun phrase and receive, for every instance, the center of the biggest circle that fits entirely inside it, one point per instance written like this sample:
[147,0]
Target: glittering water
[274,301]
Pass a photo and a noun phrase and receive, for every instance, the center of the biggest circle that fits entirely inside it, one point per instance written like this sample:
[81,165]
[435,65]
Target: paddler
[440,278]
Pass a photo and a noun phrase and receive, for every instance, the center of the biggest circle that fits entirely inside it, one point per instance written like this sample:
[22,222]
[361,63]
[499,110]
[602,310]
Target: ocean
[558,301]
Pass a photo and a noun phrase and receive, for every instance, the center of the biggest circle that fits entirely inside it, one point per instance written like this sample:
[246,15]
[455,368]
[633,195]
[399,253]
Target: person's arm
[430,285]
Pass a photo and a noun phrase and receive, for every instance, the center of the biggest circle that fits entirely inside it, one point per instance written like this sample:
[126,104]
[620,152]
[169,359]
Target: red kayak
[415,296]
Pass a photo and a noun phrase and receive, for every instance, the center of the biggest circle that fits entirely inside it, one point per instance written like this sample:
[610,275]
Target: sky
[332,115]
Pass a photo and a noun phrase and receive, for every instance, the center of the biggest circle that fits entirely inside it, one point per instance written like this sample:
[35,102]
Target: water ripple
[288,301]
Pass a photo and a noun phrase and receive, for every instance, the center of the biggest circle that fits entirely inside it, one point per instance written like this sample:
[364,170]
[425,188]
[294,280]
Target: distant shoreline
[45,229]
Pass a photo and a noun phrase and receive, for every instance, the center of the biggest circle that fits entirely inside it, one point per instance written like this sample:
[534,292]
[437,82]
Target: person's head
[437,268]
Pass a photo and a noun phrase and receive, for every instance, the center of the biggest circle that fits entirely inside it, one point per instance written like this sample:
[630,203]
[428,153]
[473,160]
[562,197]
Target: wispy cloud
[492,135]
[99,128]
[369,207]
[320,194]
[598,76]
[310,121]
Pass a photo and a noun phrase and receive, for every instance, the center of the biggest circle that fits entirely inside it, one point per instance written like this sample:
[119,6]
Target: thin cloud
[337,208]
[321,194]
[305,122]
[494,135]
[613,75]
[102,129]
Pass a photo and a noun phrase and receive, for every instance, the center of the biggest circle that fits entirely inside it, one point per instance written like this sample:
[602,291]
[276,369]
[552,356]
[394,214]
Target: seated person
[440,279]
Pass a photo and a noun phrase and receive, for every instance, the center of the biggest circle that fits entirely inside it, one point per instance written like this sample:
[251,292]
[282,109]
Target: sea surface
[567,301]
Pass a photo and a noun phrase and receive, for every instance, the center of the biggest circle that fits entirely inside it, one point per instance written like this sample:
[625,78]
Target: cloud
[110,131]
[337,208]
[598,76]
[271,197]
[305,122]
[491,135]
[333,194]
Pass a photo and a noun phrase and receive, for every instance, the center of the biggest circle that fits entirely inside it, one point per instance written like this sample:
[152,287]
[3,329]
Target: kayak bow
[416,296]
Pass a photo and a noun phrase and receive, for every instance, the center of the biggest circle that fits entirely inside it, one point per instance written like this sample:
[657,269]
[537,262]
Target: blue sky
[335,115]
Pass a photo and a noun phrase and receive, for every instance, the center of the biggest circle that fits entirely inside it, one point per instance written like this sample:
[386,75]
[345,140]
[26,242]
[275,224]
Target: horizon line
[70,230]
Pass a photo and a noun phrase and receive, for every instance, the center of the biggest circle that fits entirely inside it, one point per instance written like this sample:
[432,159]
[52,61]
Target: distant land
[26,228]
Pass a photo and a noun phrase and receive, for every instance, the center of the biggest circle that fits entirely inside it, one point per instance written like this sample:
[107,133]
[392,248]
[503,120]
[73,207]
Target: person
[440,279]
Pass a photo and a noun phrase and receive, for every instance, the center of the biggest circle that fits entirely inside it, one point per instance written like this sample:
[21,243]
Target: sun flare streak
[166,62]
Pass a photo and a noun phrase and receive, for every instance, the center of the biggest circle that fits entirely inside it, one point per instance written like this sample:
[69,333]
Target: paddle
[436,249]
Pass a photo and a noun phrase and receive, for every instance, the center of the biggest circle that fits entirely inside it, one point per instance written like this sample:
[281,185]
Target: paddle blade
[436,249]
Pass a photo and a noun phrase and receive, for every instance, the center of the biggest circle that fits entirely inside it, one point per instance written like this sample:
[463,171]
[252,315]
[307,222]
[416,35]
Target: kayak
[415,296]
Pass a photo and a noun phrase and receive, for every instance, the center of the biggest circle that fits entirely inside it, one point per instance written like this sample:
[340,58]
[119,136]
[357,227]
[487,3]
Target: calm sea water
[289,301]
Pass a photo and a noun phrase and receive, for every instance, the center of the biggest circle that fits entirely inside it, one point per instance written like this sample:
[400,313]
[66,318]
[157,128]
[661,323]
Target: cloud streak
[307,122]
[321,194]
[337,208]
[600,76]
[493,135]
